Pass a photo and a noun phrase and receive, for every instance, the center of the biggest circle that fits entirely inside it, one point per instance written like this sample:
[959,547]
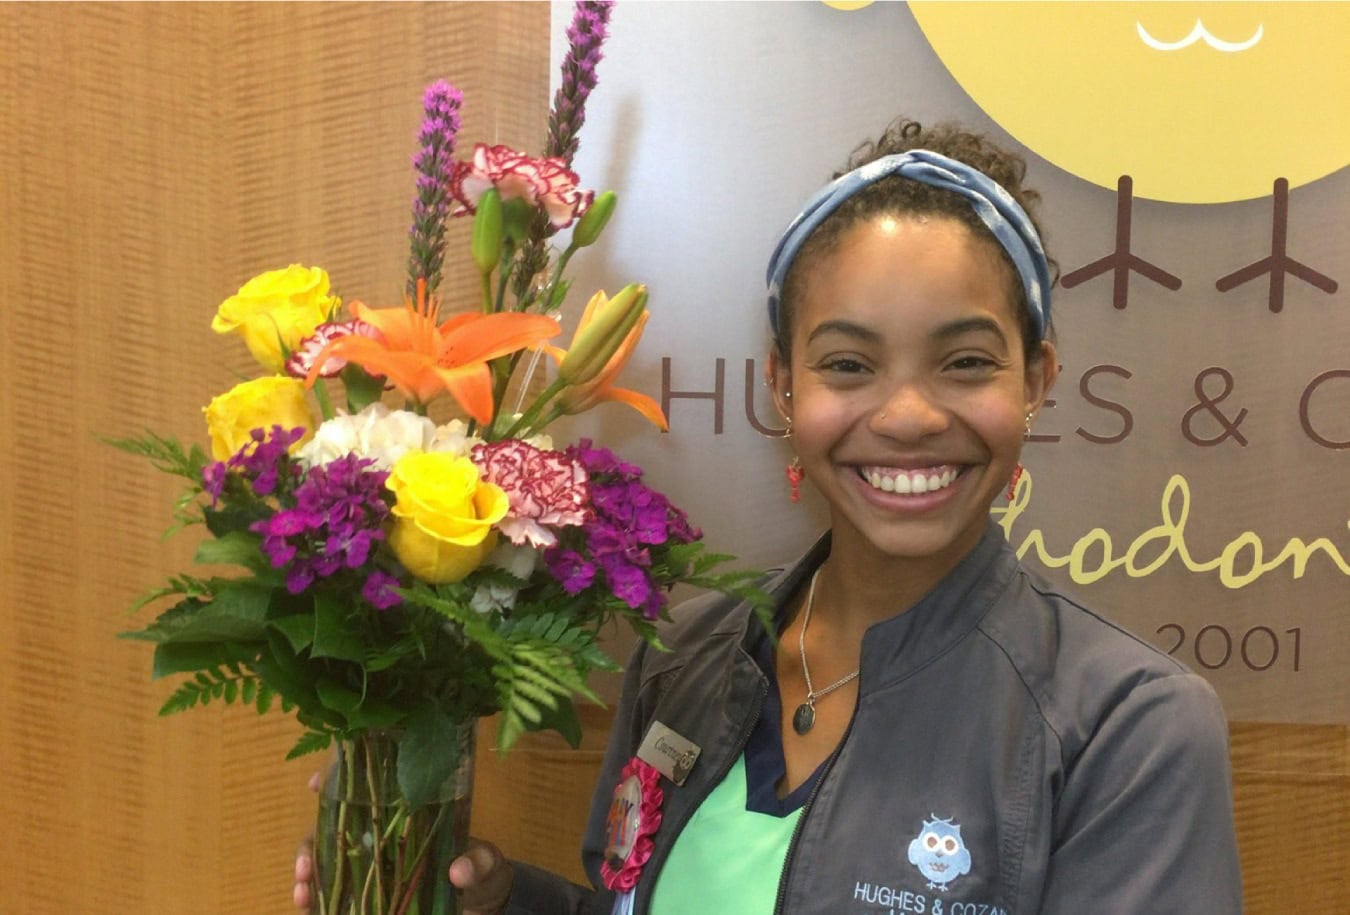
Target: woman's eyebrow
[847,328]
[962,326]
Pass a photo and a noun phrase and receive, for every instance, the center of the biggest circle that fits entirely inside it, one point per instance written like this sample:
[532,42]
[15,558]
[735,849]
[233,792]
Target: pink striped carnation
[546,183]
[545,489]
[299,364]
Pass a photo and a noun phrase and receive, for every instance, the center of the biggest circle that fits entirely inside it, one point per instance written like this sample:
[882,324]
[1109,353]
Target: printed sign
[1189,476]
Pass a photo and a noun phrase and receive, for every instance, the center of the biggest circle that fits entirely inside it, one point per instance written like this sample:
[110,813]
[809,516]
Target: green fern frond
[181,585]
[166,453]
[208,685]
[310,742]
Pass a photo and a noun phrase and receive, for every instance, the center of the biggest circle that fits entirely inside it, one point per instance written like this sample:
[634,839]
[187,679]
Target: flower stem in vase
[377,853]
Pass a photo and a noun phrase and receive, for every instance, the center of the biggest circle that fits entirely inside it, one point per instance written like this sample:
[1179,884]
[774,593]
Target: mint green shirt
[727,859]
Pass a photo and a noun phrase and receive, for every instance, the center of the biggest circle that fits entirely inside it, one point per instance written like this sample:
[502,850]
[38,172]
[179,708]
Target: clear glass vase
[374,854]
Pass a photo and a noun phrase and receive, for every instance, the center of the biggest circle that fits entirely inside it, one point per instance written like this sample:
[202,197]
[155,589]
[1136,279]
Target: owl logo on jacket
[938,852]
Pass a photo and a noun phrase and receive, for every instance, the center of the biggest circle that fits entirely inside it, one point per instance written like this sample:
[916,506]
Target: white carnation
[454,438]
[376,432]
[382,435]
[519,561]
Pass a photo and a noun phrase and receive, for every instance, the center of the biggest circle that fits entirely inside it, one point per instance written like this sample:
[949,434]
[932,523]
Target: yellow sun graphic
[1197,102]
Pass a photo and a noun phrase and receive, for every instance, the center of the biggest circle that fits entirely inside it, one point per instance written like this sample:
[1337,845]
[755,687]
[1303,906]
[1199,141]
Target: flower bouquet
[395,578]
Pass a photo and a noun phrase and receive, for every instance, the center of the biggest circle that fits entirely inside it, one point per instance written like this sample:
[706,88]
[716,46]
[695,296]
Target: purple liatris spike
[434,162]
[585,36]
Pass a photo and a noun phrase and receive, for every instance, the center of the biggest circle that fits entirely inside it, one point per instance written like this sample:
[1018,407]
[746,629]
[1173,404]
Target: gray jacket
[1065,765]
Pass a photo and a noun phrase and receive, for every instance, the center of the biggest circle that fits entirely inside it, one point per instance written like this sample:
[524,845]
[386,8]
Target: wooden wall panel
[1292,797]
[152,158]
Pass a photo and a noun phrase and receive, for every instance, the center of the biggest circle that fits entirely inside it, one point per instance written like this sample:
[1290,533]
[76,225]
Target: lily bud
[487,231]
[593,221]
[517,215]
[601,337]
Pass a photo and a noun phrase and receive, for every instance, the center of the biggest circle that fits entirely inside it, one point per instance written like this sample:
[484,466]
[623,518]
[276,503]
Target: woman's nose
[908,412]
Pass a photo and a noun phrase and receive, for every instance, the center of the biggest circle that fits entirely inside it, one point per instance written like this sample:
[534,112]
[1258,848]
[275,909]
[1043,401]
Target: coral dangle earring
[795,475]
[1017,471]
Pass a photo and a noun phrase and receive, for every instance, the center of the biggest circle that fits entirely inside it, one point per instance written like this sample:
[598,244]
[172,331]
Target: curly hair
[899,196]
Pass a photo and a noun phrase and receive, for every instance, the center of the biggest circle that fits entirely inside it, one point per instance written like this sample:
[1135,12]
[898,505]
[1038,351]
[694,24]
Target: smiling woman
[908,370]
[1024,754]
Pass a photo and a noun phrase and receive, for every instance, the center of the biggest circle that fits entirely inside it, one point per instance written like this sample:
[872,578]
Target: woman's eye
[970,363]
[844,365]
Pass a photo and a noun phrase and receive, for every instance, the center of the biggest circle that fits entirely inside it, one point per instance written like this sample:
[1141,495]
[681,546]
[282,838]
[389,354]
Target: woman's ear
[1041,376]
[779,379]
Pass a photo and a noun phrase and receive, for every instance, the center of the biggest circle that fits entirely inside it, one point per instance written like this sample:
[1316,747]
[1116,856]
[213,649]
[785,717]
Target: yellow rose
[443,515]
[275,310]
[257,404]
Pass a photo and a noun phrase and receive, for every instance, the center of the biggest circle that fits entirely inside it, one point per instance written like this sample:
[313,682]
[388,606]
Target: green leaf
[228,519]
[298,629]
[563,719]
[359,713]
[535,693]
[236,614]
[310,742]
[240,548]
[336,634]
[290,680]
[236,548]
[426,755]
[184,698]
[182,585]
[180,657]
[363,389]
[166,453]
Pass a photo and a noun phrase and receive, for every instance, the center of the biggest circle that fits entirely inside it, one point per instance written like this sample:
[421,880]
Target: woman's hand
[481,875]
[304,875]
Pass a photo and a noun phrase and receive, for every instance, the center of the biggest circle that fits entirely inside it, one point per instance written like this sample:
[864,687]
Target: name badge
[668,753]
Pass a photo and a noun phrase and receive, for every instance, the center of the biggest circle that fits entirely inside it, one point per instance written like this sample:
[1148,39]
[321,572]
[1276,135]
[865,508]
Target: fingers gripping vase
[376,853]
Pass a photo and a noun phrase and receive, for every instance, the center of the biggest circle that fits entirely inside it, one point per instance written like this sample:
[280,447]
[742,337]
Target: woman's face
[909,387]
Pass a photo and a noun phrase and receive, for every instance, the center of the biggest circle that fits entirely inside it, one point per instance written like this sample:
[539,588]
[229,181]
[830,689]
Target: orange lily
[581,397]
[422,358]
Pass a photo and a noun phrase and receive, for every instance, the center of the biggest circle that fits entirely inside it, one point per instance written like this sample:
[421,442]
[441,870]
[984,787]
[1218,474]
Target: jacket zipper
[801,820]
[658,859]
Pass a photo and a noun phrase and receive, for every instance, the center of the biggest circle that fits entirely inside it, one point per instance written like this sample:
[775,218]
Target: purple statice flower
[378,590]
[629,583]
[585,35]
[603,462]
[434,162]
[570,568]
[264,462]
[213,480]
[628,520]
[334,525]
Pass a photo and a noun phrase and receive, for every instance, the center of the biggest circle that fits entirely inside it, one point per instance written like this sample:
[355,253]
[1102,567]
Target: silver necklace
[805,717]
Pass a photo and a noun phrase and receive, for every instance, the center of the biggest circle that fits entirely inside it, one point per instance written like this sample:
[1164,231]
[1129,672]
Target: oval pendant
[804,718]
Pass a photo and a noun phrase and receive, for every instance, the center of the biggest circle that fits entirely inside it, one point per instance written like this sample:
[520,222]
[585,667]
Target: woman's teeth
[910,482]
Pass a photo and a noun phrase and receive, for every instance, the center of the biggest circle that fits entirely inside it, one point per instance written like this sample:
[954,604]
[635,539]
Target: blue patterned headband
[995,206]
